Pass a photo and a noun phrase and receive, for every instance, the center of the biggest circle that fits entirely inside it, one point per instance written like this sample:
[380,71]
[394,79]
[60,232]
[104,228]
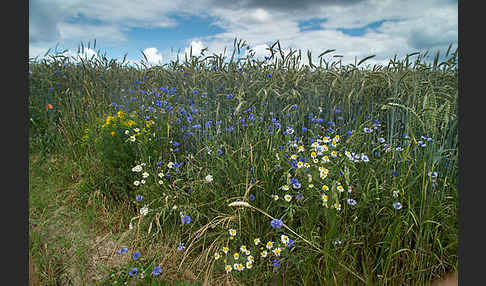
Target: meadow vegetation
[240,171]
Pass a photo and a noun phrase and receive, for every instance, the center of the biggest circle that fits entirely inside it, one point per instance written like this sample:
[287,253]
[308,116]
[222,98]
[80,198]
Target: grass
[369,198]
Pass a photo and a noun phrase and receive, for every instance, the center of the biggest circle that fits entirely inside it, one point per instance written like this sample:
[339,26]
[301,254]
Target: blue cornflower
[133,272]
[185,219]
[364,158]
[123,250]
[197,126]
[269,75]
[139,198]
[157,270]
[351,202]
[136,255]
[395,173]
[251,117]
[195,91]
[294,107]
[349,132]
[276,263]
[299,196]
[397,205]
[291,243]
[337,111]
[330,123]
[219,151]
[251,197]
[181,247]
[276,223]
[367,130]
[175,143]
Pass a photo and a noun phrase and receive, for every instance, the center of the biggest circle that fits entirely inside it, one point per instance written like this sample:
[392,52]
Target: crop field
[218,170]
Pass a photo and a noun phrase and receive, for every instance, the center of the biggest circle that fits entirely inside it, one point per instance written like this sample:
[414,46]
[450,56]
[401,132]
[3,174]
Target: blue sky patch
[311,24]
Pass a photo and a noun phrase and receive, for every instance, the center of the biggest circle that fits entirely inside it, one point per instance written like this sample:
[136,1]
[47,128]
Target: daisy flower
[225,249]
[293,157]
[288,197]
[232,232]
[136,183]
[324,197]
[217,256]
[137,168]
[277,251]
[256,241]
[284,238]
[337,206]
[228,268]
[209,178]
[161,175]
[243,248]
[264,253]
[144,211]
[269,245]
[251,258]
[285,187]
[340,188]
[249,265]
[325,188]
[145,174]
[132,138]
[241,267]
[236,255]
[334,154]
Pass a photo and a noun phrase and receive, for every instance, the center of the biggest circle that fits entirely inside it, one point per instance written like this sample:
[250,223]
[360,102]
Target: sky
[164,30]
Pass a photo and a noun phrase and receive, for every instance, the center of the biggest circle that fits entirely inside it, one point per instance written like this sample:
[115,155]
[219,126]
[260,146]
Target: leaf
[326,52]
[365,59]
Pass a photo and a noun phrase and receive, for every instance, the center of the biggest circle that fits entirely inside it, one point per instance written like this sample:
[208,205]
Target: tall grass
[239,120]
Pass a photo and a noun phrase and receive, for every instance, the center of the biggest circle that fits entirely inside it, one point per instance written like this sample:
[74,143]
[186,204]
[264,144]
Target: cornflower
[157,270]
[276,223]
[185,219]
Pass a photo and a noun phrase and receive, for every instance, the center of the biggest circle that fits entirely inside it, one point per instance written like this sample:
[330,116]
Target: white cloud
[409,26]
[261,51]
[153,56]
[260,15]
[197,47]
